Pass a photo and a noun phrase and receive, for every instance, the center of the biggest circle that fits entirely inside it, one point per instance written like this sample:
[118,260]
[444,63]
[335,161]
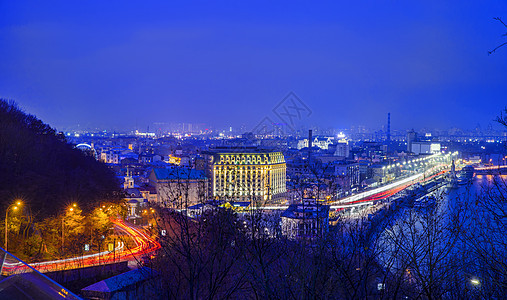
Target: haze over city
[119,65]
[253,149]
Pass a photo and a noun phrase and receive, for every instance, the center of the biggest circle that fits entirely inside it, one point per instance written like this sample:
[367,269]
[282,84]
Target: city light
[144,244]
[14,206]
[198,152]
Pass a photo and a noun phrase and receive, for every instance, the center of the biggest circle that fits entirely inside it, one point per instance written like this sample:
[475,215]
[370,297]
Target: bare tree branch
[498,19]
[505,34]
[502,118]
[496,48]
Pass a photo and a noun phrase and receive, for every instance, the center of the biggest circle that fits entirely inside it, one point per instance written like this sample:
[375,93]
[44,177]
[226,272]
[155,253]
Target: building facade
[179,187]
[246,174]
[321,142]
[306,220]
[342,149]
[349,173]
[425,147]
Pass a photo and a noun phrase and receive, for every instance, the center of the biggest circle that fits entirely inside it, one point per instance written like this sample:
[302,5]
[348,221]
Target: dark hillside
[38,166]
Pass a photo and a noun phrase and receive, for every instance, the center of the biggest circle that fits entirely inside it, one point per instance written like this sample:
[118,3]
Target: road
[383,192]
[145,244]
[379,193]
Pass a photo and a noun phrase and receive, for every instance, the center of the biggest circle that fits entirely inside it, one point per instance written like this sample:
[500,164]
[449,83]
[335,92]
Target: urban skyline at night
[253,149]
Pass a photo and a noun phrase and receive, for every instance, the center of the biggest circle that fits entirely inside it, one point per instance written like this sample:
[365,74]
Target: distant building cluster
[422,146]
[194,171]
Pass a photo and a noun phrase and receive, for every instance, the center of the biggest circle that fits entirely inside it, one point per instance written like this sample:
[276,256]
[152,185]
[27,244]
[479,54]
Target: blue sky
[121,63]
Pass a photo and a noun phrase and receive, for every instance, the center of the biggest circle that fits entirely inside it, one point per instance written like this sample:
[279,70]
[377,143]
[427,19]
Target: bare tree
[200,256]
[486,238]
[182,188]
[428,250]
[505,34]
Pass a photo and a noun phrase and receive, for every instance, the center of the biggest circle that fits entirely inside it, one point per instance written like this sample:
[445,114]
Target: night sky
[115,64]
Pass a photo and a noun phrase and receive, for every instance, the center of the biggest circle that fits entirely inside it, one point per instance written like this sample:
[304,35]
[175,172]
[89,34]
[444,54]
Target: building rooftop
[28,283]
[32,286]
[176,173]
[118,283]
[306,211]
[238,149]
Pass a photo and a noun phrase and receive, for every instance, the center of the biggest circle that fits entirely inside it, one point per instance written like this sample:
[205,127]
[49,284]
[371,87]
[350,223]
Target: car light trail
[145,244]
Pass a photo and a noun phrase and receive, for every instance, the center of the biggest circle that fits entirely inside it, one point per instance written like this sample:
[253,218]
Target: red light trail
[389,193]
[145,244]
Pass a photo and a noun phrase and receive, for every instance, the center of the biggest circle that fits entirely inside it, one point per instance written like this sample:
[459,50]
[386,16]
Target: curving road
[145,244]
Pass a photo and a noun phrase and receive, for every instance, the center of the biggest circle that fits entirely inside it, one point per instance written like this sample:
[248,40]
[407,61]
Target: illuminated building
[246,174]
[322,143]
[174,160]
[342,148]
[425,147]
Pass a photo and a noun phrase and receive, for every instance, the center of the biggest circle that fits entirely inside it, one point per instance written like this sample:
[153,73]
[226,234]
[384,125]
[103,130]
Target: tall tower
[129,181]
[310,145]
[388,127]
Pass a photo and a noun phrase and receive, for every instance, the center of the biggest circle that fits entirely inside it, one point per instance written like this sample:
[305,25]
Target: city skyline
[253,149]
[109,66]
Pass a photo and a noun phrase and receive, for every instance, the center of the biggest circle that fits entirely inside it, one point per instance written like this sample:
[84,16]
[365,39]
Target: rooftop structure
[129,285]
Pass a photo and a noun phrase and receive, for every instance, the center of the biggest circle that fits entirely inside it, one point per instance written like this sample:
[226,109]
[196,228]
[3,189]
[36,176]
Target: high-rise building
[342,149]
[246,174]
[411,137]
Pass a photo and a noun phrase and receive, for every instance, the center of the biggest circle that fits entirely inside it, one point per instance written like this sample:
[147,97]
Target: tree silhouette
[505,34]
[40,167]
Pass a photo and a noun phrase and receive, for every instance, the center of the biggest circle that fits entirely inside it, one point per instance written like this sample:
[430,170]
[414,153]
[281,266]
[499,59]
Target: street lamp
[63,219]
[475,282]
[16,204]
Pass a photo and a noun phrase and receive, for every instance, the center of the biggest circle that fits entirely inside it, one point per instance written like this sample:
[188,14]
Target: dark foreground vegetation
[40,168]
[61,190]
[454,250]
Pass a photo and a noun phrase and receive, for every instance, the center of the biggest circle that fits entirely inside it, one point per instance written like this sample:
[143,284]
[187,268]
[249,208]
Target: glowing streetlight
[71,209]
[475,281]
[14,207]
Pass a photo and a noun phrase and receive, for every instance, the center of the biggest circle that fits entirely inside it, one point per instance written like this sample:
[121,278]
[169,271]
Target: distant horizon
[237,131]
[153,126]
[142,127]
